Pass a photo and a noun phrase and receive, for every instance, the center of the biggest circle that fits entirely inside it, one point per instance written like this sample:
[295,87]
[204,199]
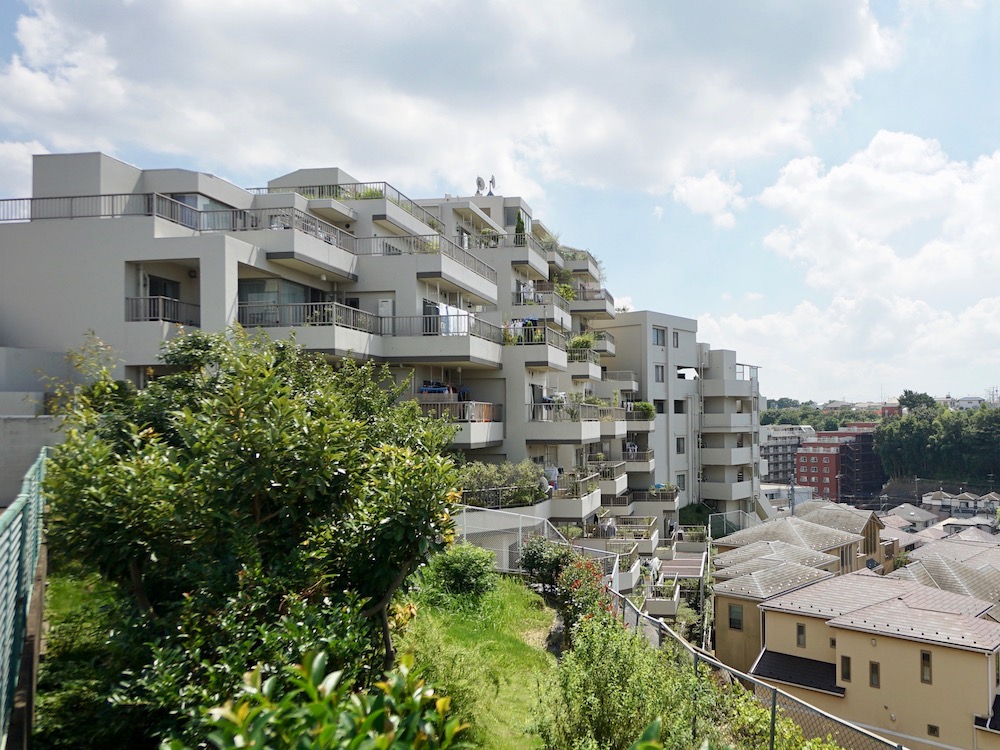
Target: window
[800,635]
[873,674]
[933,730]
[833,643]
[826,480]
[680,445]
[159,287]
[677,339]
[510,215]
[681,481]
[661,406]
[845,668]
[658,373]
[826,459]
[659,336]
[925,667]
[736,617]
[679,406]
[813,459]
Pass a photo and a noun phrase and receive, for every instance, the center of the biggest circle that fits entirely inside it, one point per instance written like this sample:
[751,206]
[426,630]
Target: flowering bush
[581,592]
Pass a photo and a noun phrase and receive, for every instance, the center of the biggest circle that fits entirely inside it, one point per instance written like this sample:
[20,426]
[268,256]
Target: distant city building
[780,445]
[841,464]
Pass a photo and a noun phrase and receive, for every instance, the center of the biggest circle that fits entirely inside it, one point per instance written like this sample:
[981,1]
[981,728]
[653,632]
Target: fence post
[774,713]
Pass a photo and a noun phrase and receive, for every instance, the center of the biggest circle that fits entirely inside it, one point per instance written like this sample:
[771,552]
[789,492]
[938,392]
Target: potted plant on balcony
[581,341]
[646,409]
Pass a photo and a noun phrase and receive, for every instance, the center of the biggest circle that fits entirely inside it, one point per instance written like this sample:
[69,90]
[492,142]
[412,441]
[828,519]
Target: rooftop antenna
[493,184]
[480,185]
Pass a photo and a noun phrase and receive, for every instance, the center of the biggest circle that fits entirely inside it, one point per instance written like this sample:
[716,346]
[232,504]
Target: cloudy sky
[817,182]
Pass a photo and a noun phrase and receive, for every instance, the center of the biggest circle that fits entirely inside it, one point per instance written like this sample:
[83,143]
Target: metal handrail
[553,412]
[266,315]
[576,485]
[463,411]
[639,455]
[248,219]
[355,191]
[619,375]
[440,325]
[612,413]
[167,309]
[529,335]
[583,355]
[425,244]
[540,298]
[607,469]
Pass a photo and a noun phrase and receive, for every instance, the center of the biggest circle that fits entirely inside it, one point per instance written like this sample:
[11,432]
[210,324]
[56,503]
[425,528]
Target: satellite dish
[493,184]
[480,185]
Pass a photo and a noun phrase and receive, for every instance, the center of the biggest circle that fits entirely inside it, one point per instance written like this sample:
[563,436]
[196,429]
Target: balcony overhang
[302,262]
[332,210]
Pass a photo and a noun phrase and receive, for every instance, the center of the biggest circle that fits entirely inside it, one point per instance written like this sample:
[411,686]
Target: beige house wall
[779,635]
[737,648]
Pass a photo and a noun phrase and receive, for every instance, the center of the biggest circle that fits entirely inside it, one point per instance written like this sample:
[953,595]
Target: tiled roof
[974,554]
[896,522]
[929,619]
[908,510]
[842,517]
[953,576]
[792,531]
[797,670]
[839,595]
[977,535]
[768,582]
[905,538]
[780,551]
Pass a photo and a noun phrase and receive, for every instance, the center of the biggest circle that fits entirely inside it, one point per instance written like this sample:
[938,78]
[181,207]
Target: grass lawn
[492,660]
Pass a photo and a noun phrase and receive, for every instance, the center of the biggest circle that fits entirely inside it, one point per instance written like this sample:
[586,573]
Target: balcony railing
[583,355]
[635,527]
[264,315]
[627,551]
[595,294]
[612,413]
[638,455]
[607,469]
[616,501]
[464,411]
[653,496]
[626,375]
[552,412]
[440,325]
[141,309]
[110,206]
[355,191]
[425,244]
[526,335]
[576,485]
[540,298]
[242,220]
[503,497]
[603,336]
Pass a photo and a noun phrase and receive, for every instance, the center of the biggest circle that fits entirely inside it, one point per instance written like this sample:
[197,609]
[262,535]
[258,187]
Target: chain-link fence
[782,706]
[723,524]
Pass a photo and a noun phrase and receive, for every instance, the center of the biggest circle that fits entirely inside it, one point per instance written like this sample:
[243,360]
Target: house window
[833,643]
[845,668]
[659,336]
[925,667]
[800,635]
[159,287]
[677,339]
[680,445]
[661,406]
[826,459]
[678,406]
[681,481]
[873,675]
[933,730]
[736,617]
[813,459]
[826,480]
[658,373]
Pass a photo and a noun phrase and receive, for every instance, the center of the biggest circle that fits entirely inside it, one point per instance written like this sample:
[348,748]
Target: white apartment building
[471,297]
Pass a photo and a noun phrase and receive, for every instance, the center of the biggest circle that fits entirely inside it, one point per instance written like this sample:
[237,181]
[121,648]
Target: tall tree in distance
[913,400]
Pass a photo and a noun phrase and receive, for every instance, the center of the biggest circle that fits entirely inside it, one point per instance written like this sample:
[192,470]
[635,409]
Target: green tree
[914,400]
[254,481]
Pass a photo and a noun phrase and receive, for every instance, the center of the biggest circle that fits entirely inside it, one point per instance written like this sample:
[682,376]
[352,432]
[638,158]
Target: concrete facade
[485,319]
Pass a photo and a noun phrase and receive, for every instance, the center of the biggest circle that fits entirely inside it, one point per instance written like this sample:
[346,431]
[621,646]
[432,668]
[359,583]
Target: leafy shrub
[463,570]
[543,560]
[645,408]
[319,711]
[581,592]
[521,482]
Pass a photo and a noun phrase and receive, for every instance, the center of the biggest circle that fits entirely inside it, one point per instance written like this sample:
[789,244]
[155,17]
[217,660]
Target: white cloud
[15,177]
[626,96]
[712,196]
[903,240]
[658,212]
